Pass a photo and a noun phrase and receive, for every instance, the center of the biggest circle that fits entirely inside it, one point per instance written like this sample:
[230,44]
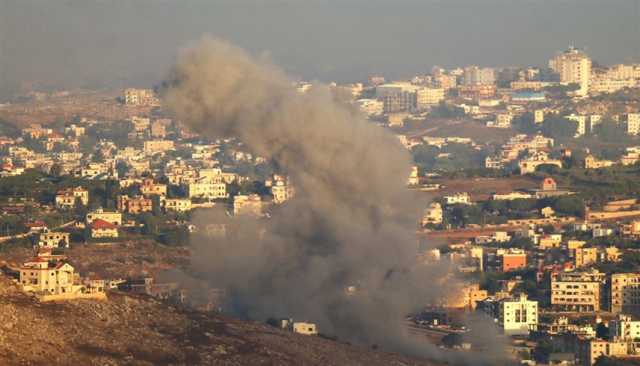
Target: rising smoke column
[352,221]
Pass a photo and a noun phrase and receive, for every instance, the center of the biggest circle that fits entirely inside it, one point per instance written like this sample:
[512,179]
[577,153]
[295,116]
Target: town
[528,177]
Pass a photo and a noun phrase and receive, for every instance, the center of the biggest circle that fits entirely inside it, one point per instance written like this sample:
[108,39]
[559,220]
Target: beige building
[102,229]
[112,217]
[304,328]
[177,204]
[53,239]
[625,292]
[574,67]
[585,256]
[207,189]
[589,349]
[591,162]
[155,146]
[247,205]
[632,122]
[577,291]
[51,278]
[150,188]
[139,97]
[67,198]
[432,215]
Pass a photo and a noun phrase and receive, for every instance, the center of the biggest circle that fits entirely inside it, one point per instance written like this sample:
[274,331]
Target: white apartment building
[458,198]
[207,189]
[574,67]
[623,328]
[518,316]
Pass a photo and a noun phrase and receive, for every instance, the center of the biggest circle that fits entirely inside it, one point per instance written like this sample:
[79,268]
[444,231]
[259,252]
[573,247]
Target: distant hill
[137,330]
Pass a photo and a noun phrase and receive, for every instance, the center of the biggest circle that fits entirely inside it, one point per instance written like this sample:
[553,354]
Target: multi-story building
[625,292]
[100,229]
[177,204]
[518,316]
[585,256]
[67,198]
[624,328]
[155,146]
[134,205]
[370,107]
[632,123]
[53,239]
[577,291]
[138,97]
[41,275]
[113,217]
[474,75]
[281,191]
[204,188]
[461,198]
[590,349]
[574,67]
[512,259]
[247,205]
[150,188]
[432,215]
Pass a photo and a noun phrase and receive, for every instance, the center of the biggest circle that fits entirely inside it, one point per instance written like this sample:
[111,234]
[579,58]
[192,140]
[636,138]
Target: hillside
[136,330]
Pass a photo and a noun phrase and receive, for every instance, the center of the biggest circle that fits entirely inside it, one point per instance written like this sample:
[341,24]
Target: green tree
[558,127]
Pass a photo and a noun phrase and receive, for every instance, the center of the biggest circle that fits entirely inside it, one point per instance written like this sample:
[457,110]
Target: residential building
[577,291]
[590,349]
[512,259]
[204,188]
[177,204]
[134,205]
[113,217]
[591,162]
[155,146]
[139,97]
[533,161]
[102,229]
[53,239]
[632,123]
[624,328]
[585,256]
[67,198]
[432,215]
[625,292]
[574,67]
[304,328]
[518,316]
[247,205]
[460,198]
[150,188]
[474,75]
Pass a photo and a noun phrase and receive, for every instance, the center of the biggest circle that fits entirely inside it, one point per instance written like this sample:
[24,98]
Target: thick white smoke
[351,223]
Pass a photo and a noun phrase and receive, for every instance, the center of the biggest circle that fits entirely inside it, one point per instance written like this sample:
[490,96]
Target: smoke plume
[351,223]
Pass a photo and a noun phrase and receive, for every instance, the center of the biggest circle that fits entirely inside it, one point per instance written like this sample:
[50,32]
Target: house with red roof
[103,229]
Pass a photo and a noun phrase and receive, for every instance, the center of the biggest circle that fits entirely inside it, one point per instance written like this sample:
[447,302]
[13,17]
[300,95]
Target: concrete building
[518,316]
[177,204]
[625,292]
[589,349]
[432,215]
[247,205]
[370,107]
[134,205]
[53,239]
[460,198]
[304,328]
[577,291]
[67,198]
[114,218]
[632,123]
[207,189]
[624,328]
[574,67]
[102,229]
[474,75]
[156,146]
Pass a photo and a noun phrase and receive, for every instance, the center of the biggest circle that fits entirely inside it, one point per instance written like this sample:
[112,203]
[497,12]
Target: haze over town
[320,182]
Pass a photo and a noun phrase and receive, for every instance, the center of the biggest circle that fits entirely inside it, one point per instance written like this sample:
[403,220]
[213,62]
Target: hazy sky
[64,43]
